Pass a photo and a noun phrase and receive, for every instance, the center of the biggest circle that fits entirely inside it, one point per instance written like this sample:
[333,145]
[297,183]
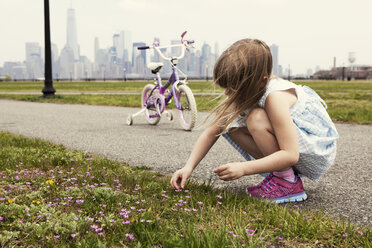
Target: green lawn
[52,196]
[349,101]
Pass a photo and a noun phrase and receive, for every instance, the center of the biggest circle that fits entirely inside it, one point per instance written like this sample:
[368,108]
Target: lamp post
[125,76]
[48,90]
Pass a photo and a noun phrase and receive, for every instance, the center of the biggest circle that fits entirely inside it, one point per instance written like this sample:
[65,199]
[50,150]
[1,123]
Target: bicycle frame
[174,82]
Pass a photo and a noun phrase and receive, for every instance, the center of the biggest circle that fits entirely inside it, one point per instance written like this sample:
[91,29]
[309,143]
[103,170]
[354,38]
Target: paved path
[346,190]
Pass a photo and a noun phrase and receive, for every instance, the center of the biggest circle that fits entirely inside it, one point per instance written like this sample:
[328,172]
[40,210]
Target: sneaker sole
[292,198]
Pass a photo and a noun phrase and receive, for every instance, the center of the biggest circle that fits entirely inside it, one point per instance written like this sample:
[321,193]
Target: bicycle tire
[149,113]
[188,112]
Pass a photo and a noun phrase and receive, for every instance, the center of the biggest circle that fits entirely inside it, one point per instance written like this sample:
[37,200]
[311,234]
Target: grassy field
[51,196]
[347,101]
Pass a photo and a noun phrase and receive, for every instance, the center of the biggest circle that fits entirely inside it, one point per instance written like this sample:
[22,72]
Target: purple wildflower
[219,196]
[130,236]
[56,236]
[73,235]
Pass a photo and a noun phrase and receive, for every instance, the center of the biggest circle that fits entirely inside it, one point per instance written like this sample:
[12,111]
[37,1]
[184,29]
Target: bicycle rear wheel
[187,112]
[152,113]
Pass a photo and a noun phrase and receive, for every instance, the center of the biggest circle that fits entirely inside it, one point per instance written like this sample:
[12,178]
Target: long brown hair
[243,70]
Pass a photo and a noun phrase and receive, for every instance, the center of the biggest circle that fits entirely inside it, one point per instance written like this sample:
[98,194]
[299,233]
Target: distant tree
[8,78]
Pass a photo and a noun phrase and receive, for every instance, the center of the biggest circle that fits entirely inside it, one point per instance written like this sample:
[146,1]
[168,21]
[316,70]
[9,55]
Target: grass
[93,86]
[347,101]
[52,196]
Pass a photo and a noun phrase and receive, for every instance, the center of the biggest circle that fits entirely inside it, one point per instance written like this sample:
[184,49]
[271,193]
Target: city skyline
[303,43]
[119,61]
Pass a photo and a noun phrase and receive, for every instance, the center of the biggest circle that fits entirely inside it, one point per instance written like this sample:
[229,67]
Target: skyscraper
[96,48]
[274,53]
[34,61]
[72,34]
[32,49]
[138,58]
[124,46]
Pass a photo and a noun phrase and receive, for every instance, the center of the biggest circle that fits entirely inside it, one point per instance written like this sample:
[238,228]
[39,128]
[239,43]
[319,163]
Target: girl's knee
[258,121]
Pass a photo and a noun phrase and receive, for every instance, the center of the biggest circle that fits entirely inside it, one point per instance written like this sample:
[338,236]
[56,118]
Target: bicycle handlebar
[143,47]
[184,44]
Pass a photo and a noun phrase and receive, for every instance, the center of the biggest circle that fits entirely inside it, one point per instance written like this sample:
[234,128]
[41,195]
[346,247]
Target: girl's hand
[230,171]
[180,177]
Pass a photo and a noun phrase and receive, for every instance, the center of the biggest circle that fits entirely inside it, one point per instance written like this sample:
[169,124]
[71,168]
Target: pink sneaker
[278,190]
[250,190]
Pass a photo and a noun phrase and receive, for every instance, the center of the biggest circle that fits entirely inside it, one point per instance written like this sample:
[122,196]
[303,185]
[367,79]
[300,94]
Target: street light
[48,90]
[125,76]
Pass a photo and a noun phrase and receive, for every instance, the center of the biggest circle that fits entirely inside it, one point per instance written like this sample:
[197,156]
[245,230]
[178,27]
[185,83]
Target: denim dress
[317,134]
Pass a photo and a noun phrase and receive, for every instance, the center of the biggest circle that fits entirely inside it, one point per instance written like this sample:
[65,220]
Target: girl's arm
[206,140]
[277,108]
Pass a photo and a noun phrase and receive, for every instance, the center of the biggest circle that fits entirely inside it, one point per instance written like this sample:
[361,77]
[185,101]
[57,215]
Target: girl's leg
[258,137]
[259,140]
[244,139]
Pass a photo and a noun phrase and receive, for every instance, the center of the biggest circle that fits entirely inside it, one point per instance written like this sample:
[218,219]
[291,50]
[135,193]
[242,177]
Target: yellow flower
[50,182]
[36,202]
[10,200]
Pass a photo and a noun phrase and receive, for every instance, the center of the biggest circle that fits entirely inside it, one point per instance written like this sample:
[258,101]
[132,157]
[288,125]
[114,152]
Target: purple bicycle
[156,97]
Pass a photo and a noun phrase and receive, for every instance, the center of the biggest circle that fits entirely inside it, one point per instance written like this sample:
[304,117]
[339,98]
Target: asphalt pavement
[345,191]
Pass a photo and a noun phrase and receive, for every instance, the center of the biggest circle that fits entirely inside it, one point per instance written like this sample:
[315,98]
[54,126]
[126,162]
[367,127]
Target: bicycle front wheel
[152,113]
[187,112]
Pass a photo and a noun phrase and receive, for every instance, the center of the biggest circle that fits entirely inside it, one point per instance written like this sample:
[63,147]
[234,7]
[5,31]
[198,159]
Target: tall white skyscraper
[72,34]
[275,55]
[96,48]
[125,45]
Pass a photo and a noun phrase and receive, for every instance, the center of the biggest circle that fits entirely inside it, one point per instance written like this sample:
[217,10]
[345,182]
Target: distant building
[138,59]
[345,73]
[125,45]
[275,55]
[71,41]
[34,63]
[66,63]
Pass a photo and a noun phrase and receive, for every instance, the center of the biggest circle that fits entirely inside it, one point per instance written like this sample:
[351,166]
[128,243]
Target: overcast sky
[308,32]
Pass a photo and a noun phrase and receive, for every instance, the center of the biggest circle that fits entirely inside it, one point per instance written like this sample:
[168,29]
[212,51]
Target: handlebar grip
[190,41]
[143,47]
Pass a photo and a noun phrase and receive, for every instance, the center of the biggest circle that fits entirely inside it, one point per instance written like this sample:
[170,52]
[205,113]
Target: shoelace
[266,180]
[269,185]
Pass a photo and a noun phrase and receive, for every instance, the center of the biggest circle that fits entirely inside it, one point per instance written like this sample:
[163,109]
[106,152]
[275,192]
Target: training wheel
[129,120]
[169,115]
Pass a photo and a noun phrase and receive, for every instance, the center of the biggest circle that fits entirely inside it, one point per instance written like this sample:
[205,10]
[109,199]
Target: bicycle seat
[155,67]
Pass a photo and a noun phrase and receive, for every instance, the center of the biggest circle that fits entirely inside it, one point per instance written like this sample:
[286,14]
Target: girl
[279,127]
